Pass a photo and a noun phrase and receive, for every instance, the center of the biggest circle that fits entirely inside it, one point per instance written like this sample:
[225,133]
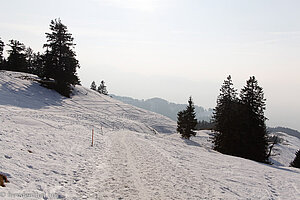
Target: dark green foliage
[29,55]
[16,60]
[1,48]
[224,116]
[102,88]
[93,86]
[59,60]
[186,121]
[252,97]
[296,161]
[1,54]
[36,66]
[34,62]
[204,125]
[240,128]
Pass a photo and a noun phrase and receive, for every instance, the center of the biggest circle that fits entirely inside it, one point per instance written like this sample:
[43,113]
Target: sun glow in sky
[175,48]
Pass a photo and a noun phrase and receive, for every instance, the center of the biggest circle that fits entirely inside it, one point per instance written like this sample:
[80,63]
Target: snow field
[46,152]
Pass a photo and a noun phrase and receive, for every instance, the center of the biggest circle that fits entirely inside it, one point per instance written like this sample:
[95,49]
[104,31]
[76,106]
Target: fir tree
[59,60]
[181,123]
[240,128]
[224,118]
[296,161]
[29,55]
[38,64]
[102,88]
[1,54]
[93,86]
[187,121]
[252,96]
[16,60]
[254,126]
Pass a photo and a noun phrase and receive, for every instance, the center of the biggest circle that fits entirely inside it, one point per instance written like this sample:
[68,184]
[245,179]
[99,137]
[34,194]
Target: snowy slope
[284,152]
[88,107]
[46,153]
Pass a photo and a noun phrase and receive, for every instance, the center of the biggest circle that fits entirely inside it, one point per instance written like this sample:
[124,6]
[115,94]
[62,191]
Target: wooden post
[92,137]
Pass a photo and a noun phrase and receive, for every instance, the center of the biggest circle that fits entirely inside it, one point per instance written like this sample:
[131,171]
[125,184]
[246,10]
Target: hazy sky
[175,48]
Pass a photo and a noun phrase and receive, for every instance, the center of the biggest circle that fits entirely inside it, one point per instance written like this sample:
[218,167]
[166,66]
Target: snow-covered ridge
[87,107]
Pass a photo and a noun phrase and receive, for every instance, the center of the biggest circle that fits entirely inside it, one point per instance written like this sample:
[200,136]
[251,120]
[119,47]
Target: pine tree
[254,126]
[224,118]
[60,62]
[16,60]
[102,88]
[296,161]
[93,86]
[186,121]
[1,54]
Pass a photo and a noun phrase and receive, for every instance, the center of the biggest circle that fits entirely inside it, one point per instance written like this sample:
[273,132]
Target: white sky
[175,48]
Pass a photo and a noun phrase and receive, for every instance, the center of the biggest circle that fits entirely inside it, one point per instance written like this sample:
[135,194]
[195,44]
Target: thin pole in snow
[92,137]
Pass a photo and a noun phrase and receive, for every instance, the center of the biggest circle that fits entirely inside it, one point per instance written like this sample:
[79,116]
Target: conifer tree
[16,60]
[186,121]
[102,88]
[60,62]
[93,86]
[252,95]
[296,161]
[1,54]
[37,64]
[29,55]
[254,126]
[224,118]
[240,128]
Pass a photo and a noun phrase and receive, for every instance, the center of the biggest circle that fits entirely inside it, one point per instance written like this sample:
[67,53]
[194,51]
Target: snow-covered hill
[87,107]
[284,151]
[46,152]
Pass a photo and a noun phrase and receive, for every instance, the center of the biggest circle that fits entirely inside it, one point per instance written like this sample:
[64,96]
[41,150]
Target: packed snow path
[130,165]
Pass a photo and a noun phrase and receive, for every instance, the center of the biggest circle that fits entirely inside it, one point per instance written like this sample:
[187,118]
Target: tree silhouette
[186,121]
[224,118]
[37,64]
[1,54]
[16,60]
[60,63]
[252,97]
[240,128]
[102,88]
[93,86]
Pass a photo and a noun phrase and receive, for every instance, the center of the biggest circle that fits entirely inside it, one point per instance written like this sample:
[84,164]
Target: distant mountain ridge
[164,107]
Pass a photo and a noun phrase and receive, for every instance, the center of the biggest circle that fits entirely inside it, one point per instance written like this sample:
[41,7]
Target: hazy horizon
[175,49]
